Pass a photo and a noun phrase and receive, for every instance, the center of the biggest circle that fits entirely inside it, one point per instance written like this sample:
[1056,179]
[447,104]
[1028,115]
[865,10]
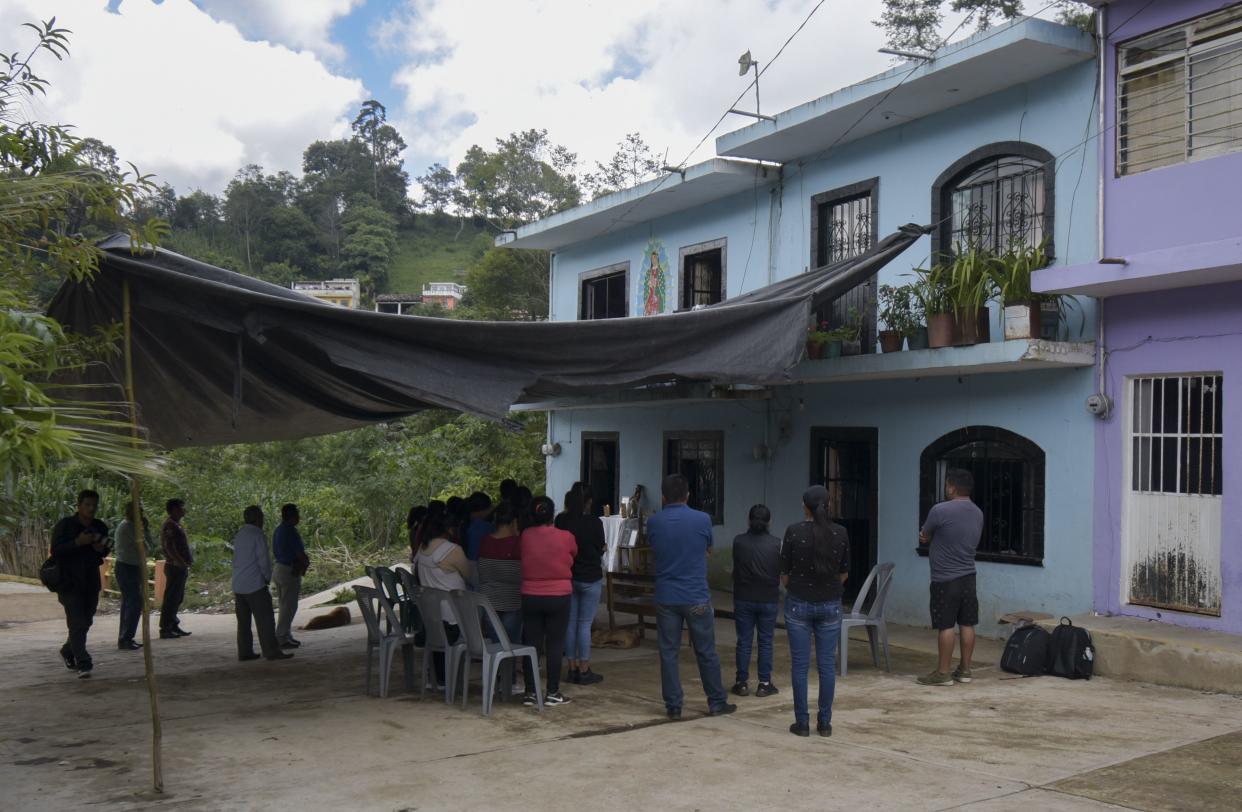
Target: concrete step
[1160,653]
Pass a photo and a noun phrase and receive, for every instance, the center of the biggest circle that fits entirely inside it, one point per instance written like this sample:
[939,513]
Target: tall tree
[509,285]
[370,241]
[527,178]
[439,188]
[384,145]
[632,163]
[333,171]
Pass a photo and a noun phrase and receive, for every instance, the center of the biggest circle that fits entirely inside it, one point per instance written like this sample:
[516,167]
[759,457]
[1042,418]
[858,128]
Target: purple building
[1168,515]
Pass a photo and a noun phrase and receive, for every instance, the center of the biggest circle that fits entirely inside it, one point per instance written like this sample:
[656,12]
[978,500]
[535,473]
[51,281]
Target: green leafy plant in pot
[971,280]
[1023,308]
[851,332]
[817,341]
[902,313]
[931,289]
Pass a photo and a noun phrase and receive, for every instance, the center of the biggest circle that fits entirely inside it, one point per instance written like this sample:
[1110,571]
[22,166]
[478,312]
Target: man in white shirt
[252,572]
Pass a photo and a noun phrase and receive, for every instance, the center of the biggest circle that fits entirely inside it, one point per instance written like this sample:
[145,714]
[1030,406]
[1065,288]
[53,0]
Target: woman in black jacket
[588,582]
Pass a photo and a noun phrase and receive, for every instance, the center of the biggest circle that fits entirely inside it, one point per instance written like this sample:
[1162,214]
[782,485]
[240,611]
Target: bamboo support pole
[157,766]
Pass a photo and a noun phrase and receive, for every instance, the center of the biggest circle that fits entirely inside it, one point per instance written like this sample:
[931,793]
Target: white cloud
[183,95]
[591,72]
[299,24]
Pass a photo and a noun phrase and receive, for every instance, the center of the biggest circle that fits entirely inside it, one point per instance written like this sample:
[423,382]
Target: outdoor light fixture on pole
[744,63]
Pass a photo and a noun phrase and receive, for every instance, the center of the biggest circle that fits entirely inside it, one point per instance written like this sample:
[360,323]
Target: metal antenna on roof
[746,62]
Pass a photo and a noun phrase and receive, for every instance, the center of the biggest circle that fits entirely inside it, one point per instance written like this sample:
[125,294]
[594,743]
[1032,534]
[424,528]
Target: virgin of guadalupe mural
[654,286]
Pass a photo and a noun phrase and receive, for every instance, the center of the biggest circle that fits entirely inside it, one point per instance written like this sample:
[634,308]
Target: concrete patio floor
[302,734]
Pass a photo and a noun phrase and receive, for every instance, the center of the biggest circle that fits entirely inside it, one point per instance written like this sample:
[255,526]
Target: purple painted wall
[1169,333]
[1188,330]
[1173,205]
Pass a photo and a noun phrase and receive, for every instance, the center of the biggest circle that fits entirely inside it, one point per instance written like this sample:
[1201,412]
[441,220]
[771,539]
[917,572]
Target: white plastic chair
[872,619]
[387,642]
[430,605]
[490,655]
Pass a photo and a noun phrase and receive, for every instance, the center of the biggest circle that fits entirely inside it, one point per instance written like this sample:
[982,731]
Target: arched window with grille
[996,198]
[1009,488]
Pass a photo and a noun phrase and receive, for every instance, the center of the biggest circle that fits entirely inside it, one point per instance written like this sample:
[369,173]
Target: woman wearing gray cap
[815,561]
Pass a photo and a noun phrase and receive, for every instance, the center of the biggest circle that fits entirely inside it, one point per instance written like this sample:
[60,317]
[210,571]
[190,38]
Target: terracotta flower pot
[940,330]
[917,341]
[970,331]
[1022,321]
[891,341]
[814,350]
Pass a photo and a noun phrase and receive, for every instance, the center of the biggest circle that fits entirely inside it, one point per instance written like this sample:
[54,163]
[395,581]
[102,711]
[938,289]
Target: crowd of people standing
[543,573]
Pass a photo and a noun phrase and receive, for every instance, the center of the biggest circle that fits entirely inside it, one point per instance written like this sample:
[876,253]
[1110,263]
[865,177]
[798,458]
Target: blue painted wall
[1055,113]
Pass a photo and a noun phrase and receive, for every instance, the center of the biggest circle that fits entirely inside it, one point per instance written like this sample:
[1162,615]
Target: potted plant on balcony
[932,291]
[972,284]
[900,312]
[851,332]
[817,339]
[1022,307]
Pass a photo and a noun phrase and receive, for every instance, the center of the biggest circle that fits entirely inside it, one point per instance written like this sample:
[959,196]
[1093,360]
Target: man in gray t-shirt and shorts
[952,532]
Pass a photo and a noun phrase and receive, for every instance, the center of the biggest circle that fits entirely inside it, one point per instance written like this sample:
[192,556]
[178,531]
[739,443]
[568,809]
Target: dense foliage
[914,25]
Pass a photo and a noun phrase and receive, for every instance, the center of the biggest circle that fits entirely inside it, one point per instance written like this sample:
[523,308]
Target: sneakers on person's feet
[70,662]
[290,643]
[84,673]
[556,698]
[573,676]
[721,710]
[129,645]
[589,677]
[674,714]
[740,689]
[936,678]
[766,689]
[800,729]
[824,729]
[530,700]
[962,675]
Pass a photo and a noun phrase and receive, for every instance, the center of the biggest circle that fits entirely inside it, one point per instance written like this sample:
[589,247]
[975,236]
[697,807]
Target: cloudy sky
[193,90]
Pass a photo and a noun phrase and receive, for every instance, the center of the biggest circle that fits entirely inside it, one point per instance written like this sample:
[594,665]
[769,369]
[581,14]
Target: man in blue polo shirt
[291,564]
[681,540]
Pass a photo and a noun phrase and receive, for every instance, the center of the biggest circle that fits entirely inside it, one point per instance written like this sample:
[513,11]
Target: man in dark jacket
[79,546]
[756,598]
[177,561]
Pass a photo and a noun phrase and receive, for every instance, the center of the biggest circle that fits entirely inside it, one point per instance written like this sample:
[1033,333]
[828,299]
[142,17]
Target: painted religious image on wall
[653,288]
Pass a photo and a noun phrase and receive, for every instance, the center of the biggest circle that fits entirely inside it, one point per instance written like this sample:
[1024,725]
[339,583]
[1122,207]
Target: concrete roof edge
[1024,28]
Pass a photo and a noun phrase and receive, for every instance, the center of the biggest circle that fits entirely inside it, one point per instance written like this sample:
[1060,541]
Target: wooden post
[157,767]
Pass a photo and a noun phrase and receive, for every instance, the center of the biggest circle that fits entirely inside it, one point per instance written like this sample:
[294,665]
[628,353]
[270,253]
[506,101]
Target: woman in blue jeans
[814,565]
[588,581]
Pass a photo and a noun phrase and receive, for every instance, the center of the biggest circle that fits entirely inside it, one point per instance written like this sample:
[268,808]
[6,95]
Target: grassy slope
[435,251]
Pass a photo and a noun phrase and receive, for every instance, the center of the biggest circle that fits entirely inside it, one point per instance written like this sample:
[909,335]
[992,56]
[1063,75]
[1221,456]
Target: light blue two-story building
[991,141]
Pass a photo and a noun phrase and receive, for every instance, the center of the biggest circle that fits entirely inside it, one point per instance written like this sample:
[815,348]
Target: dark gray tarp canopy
[223,358]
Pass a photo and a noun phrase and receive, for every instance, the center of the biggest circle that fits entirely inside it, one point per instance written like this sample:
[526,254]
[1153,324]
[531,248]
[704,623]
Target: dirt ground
[303,734]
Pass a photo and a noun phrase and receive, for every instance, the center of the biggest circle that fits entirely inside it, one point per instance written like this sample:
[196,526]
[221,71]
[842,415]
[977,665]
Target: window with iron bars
[1177,435]
[699,457]
[1009,488]
[1179,93]
[843,226]
[999,206]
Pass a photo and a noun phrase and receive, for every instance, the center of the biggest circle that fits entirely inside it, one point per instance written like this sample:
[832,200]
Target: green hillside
[436,249]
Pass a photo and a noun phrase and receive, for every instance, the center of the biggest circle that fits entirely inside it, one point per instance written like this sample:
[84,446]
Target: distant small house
[446,294]
[340,292]
[400,304]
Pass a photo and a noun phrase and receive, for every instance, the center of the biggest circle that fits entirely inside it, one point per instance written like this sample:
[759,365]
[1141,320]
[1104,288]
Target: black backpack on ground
[1026,651]
[1070,653]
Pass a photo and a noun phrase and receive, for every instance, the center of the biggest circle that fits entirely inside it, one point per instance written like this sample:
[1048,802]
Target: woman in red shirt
[547,583]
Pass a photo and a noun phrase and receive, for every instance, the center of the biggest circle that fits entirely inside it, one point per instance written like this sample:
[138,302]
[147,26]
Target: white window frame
[1202,37]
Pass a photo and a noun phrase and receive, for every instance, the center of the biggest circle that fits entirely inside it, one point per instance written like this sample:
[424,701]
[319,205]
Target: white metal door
[1172,507]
